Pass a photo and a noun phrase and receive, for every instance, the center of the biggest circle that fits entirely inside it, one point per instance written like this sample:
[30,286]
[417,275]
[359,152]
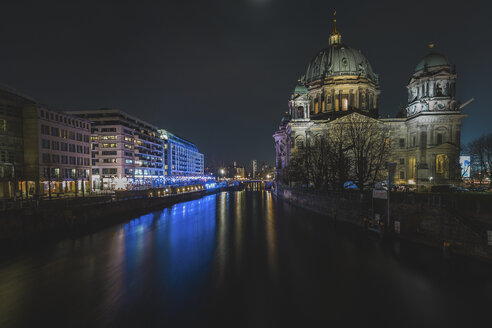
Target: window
[128,154]
[64,146]
[55,145]
[109,160]
[108,145]
[109,171]
[128,146]
[108,130]
[79,137]
[107,138]
[72,160]
[71,148]
[86,150]
[64,159]
[55,159]
[299,144]
[95,171]
[79,149]
[439,138]
[423,139]
[71,135]
[109,152]
[402,175]
[128,139]
[55,132]
[86,161]
[45,129]
[129,161]
[3,125]
[127,131]
[86,138]
[45,144]
[402,143]
[414,141]
[46,158]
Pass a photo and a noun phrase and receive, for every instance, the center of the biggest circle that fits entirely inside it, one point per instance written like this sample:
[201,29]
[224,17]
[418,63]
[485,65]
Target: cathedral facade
[423,139]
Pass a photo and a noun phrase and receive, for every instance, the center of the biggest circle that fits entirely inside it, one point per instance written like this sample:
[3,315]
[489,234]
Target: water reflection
[237,259]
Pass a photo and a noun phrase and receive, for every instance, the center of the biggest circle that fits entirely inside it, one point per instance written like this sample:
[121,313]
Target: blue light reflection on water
[171,249]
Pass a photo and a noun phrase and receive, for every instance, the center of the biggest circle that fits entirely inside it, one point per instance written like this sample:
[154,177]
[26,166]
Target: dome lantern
[335,36]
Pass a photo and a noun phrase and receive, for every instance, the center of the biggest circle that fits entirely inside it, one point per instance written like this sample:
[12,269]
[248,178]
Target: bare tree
[480,151]
[355,147]
[369,148]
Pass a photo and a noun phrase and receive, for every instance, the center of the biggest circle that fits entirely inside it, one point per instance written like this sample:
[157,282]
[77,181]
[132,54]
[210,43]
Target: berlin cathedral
[424,137]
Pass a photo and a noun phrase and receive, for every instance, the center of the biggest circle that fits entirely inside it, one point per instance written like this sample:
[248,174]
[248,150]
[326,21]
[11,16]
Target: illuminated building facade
[125,150]
[11,141]
[181,157]
[424,139]
[56,152]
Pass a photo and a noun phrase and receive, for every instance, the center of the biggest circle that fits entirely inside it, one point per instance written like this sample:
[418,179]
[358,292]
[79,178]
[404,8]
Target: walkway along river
[242,259]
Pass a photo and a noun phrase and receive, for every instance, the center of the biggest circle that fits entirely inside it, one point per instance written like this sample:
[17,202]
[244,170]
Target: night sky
[220,73]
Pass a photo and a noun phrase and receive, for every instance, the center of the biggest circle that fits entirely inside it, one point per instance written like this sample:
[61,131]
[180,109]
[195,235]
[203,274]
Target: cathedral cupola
[299,105]
[432,88]
[340,80]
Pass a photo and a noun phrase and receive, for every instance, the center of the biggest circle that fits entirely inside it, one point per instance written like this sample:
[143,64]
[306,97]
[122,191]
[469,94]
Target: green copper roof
[300,89]
[431,60]
[336,60]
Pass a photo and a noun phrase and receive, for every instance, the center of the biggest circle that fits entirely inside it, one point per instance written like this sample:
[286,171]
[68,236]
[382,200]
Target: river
[240,259]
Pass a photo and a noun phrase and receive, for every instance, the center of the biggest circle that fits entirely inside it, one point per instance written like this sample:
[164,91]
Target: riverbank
[433,220]
[30,226]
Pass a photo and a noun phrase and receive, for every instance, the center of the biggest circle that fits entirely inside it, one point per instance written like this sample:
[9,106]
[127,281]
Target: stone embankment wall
[54,221]
[461,220]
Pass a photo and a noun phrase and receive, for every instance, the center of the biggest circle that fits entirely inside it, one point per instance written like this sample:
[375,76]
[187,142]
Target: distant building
[181,157]
[11,141]
[267,171]
[42,151]
[124,147]
[56,152]
[254,168]
[235,171]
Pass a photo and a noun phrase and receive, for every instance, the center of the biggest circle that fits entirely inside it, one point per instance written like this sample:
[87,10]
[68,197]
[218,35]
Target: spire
[335,37]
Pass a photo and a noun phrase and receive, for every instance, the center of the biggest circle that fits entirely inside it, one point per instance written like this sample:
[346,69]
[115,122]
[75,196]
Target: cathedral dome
[433,59]
[337,60]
